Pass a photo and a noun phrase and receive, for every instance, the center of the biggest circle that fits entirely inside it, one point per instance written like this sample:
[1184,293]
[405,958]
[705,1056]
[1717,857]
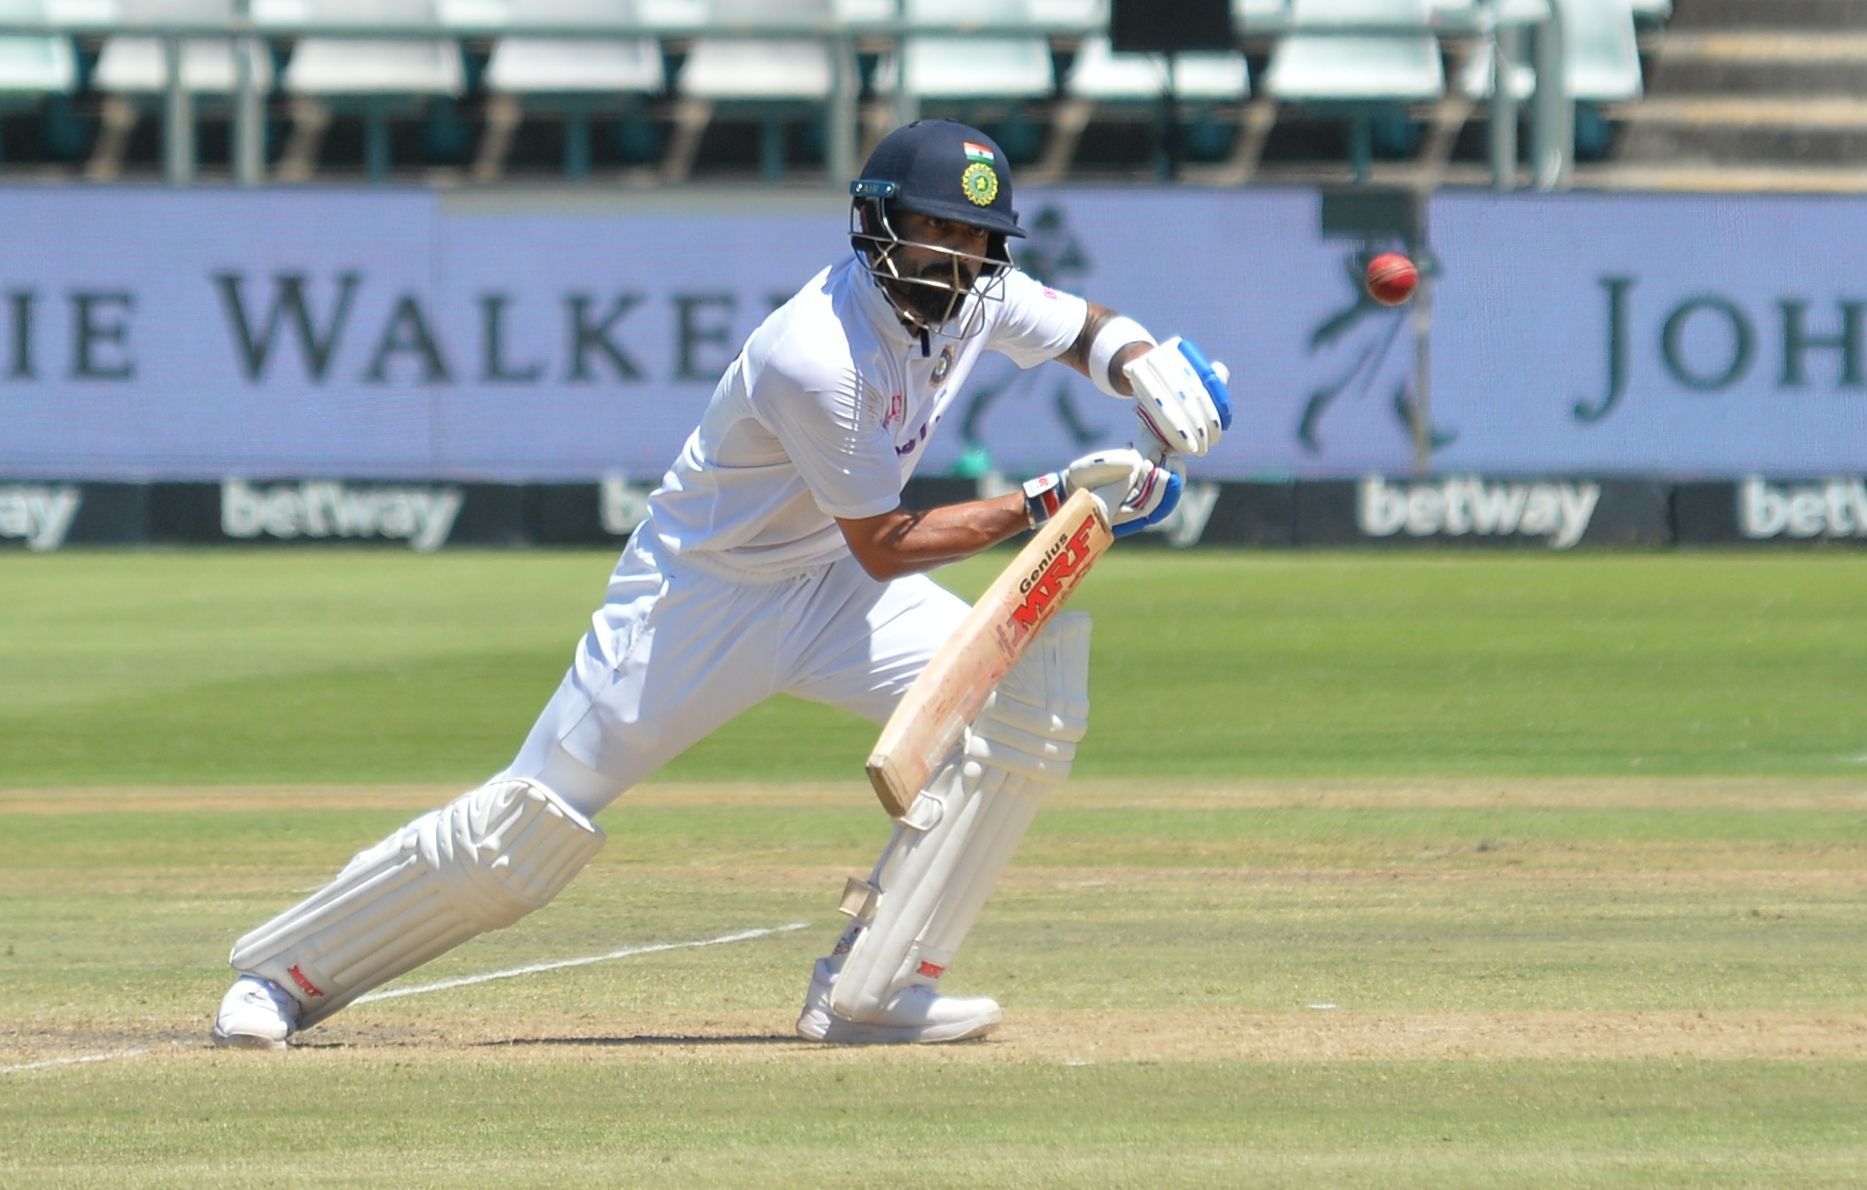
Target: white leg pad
[949,850]
[482,861]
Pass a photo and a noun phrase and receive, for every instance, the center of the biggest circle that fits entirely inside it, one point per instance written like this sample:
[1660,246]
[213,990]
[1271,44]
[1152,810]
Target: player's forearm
[907,542]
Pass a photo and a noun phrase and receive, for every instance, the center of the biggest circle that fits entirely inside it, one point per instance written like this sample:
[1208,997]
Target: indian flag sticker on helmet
[980,182]
[978,152]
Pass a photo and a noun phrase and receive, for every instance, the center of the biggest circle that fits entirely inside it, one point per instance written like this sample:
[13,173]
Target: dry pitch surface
[1303,873]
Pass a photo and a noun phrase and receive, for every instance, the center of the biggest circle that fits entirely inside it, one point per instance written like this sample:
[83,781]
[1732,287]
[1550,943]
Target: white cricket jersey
[825,413]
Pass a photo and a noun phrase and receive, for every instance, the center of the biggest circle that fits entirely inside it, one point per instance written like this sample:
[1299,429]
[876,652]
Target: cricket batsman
[777,557]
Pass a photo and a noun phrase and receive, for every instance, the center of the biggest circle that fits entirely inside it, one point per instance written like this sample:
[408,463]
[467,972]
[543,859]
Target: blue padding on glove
[1168,503]
[1209,376]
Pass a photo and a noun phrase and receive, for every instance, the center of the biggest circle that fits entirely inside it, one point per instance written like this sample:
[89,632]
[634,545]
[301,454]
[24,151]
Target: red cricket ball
[1391,278]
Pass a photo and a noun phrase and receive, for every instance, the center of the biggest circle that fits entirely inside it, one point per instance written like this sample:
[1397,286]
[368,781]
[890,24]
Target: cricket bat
[953,688]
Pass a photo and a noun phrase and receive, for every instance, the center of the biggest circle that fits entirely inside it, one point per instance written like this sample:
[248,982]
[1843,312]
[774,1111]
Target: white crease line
[465,981]
[535,968]
[78,1061]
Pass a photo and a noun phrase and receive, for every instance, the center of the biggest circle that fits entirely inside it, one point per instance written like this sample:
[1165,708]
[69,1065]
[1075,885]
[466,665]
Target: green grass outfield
[1421,869]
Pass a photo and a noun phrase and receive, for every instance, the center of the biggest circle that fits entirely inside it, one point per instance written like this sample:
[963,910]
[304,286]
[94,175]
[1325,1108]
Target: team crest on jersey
[944,364]
[980,182]
[897,410]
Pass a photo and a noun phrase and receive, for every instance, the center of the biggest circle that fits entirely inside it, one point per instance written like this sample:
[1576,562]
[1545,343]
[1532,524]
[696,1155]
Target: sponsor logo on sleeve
[422,515]
[1470,506]
[38,515]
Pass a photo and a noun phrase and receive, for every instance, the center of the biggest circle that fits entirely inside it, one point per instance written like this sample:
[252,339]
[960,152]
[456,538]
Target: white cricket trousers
[676,651]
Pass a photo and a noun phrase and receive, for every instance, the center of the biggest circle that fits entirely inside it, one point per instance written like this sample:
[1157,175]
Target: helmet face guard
[945,170]
[946,295]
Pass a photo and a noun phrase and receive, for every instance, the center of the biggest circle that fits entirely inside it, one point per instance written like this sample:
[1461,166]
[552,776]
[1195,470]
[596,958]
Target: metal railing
[1551,116]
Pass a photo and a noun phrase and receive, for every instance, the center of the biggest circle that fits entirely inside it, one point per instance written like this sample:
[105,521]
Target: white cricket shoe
[255,1014]
[915,1014]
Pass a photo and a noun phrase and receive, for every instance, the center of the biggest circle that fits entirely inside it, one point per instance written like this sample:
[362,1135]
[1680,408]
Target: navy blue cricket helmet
[945,170]
[940,169]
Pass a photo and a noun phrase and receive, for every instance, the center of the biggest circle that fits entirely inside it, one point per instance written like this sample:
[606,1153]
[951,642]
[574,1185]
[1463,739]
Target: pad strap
[482,861]
[949,850]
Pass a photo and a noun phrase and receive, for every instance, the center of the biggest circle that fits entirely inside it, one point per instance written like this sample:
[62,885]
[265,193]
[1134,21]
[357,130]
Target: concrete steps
[1730,63]
[1766,15]
[1748,94]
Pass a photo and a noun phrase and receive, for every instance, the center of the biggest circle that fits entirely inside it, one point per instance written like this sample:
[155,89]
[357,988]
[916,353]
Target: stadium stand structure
[1688,93]
[131,76]
[570,82]
[373,80]
[34,71]
[1748,95]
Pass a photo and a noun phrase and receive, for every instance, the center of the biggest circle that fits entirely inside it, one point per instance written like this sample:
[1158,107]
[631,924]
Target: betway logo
[40,516]
[1833,508]
[1462,505]
[320,508]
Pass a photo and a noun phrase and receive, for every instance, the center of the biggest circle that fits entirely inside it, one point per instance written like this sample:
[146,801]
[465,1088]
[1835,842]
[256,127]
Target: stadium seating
[1361,78]
[32,68]
[994,81]
[374,79]
[1244,12]
[777,81]
[137,66]
[1601,62]
[697,90]
[132,72]
[575,78]
[1601,53]
[1133,86]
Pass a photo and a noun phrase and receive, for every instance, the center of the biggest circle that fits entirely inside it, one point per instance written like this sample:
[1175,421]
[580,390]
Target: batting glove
[1134,490]
[1181,396]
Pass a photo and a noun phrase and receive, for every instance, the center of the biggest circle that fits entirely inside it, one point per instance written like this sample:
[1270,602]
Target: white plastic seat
[1356,74]
[970,68]
[1474,80]
[782,68]
[1246,12]
[1087,17]
[1349,67]
[1603,57]
[1600,54]
[525,65]
[136,66]
[1130,84]
[574,77]
[33,67]
[725,69]
[392,67]
[775,79]
[1101,74]
[373,77]
[90,11]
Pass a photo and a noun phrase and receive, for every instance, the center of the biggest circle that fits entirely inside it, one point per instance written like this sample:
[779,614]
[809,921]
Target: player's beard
[933,301]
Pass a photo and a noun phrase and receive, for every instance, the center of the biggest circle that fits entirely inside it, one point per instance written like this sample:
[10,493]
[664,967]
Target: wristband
[1115,334]
[1042,497]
